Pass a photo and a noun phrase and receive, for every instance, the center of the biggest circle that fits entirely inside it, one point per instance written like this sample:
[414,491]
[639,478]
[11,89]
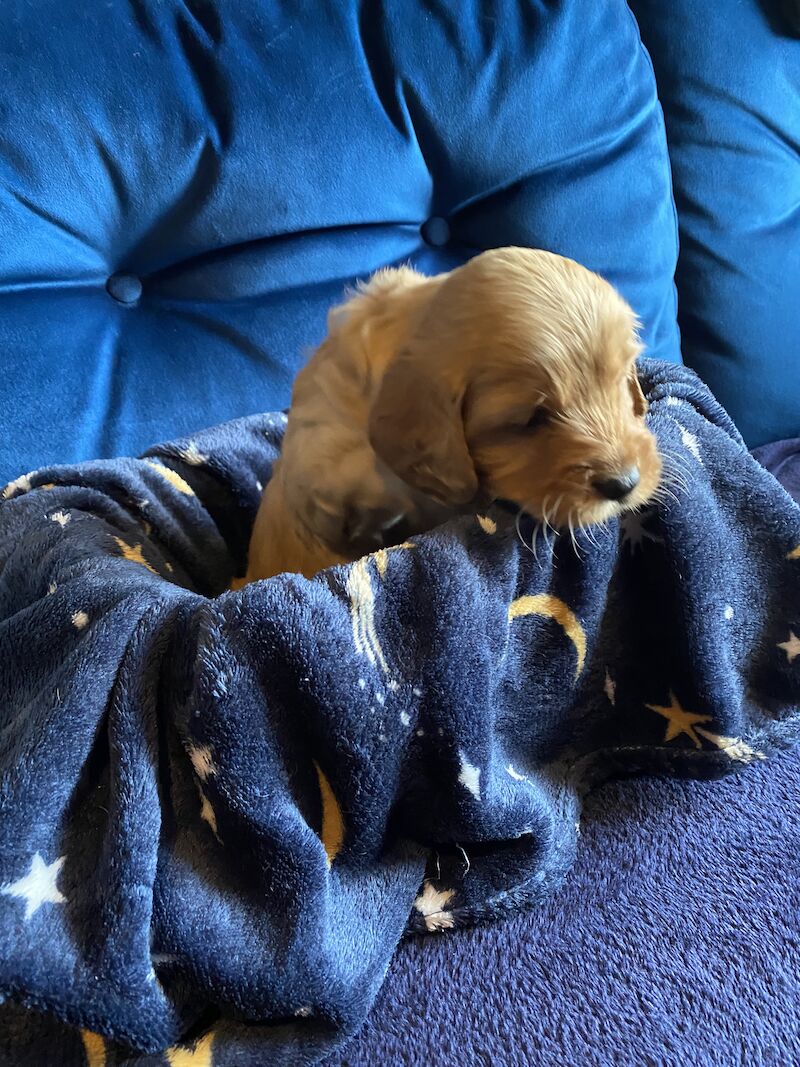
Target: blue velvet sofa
[186,186]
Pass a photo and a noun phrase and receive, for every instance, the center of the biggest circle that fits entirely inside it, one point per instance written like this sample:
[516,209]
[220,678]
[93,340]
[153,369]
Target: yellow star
[794,554]
[133,554]
[199,1055]
[679,720]
[791,647]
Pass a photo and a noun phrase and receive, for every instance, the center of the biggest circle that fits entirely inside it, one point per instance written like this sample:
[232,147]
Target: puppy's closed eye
[540,417]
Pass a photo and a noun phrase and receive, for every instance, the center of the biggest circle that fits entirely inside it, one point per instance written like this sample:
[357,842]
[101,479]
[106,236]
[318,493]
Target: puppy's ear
[416,428]
[639,402]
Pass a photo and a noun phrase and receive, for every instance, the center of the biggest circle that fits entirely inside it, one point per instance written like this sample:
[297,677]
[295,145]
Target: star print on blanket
[224,806]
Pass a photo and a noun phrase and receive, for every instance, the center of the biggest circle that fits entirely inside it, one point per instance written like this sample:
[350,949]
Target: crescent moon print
[550,607]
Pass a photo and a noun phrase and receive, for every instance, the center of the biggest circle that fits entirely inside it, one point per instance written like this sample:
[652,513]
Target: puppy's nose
[617,486]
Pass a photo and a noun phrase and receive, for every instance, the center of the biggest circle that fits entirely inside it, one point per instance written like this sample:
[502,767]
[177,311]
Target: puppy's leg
[280,544]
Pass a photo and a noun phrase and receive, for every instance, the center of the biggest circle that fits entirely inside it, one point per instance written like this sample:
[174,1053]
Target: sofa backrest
[186,186]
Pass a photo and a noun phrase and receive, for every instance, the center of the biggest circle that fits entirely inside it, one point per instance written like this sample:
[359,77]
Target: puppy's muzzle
[618,486]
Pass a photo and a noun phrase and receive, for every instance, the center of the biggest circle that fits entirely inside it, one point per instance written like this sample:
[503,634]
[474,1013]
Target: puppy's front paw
[367,530]
[353,528]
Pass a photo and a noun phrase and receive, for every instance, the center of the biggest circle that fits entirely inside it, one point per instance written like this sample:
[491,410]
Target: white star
[673,401]
[488,525]
[52,587]
[610,689]
[431,904]
[80,620]
[634,533]
[202,761]
[38,886]
[728,612]
[61,517]
[405,718]
[279,417]
[734,747]
[470,776]
[690,443]
[791,647]
[192,455]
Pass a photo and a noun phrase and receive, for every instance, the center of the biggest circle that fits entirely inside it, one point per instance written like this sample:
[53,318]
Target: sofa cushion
[186,187]
[729,80]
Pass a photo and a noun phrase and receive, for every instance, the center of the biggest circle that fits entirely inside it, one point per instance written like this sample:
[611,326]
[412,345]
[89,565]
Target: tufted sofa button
[435,231]
[124,288]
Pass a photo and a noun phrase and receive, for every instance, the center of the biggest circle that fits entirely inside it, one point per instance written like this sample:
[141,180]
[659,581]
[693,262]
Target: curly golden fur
[512,377]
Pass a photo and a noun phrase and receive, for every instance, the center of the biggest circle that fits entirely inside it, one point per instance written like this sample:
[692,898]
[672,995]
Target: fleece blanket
[673,940]
[221,811]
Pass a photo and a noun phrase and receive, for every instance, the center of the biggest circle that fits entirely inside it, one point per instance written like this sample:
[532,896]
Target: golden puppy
[512,377]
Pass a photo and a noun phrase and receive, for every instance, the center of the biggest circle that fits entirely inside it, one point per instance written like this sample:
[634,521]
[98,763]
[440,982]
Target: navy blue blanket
[220,811]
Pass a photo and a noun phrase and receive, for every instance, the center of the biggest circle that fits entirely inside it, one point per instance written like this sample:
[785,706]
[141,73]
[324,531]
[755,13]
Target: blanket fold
[222,810]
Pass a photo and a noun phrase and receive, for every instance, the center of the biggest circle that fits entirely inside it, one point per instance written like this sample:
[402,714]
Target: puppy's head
[519,383]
